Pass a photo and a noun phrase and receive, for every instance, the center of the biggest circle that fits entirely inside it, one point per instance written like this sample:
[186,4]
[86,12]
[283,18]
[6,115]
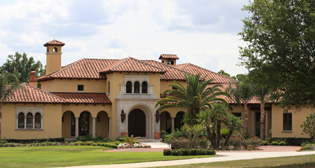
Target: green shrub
[186,152]
[308,146]
[265,142]
[274,143]
[4,141]
[167,152]
[282,143]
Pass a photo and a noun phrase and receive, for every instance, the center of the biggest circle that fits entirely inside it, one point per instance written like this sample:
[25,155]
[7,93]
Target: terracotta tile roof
[84,98]
[132,65]
[194,69]
[54,43]
[168,56]
[26,93]
[171,72]
[81,69]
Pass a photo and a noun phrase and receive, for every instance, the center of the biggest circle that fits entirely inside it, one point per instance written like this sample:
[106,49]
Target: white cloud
[202,32]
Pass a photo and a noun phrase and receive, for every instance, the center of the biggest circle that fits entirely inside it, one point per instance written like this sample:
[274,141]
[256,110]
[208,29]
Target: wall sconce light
[122,116]
[157,116]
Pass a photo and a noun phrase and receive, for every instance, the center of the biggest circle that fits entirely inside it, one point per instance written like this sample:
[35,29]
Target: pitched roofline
[110,70]
[206,70]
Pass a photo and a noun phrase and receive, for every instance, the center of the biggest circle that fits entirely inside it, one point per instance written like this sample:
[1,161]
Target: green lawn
[57,156]
[307,161]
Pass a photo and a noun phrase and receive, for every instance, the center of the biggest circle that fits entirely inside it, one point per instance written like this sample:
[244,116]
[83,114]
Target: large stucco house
[114,97]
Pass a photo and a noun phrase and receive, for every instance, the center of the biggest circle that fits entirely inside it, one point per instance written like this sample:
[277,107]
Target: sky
[202,32]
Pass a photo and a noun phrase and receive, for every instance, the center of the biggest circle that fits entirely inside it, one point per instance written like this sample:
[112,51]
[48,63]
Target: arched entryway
[84,123]
[166,122]
[68,124]
[102,124]
[136,123]
[179,120]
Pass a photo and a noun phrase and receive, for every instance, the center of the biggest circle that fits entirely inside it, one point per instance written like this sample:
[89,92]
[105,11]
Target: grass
[306,161]
[59,156]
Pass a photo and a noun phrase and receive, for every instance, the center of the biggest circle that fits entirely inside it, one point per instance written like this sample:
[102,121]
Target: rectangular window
[170,62]
[108,86]
[237,115]
[287,121]
[80,88]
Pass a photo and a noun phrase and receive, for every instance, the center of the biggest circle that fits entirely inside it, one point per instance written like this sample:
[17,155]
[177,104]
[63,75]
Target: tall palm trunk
[245,117]
[228,137]
[262,120]
[218,134]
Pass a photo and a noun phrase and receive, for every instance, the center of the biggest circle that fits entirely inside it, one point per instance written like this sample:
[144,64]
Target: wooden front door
[136,123]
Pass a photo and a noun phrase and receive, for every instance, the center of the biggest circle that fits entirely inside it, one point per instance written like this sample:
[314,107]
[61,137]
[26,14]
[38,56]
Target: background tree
[197,96]
[8,82]
[21,65]
[281,48]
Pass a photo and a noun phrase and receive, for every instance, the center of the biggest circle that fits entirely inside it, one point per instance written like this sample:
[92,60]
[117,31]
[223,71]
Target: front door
[136,123]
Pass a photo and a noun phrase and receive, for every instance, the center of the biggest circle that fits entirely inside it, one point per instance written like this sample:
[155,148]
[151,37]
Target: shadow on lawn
[304,165]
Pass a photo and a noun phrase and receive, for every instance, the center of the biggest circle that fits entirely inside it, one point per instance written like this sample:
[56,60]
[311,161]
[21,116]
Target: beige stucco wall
[298,117]
[67,85]
[51,122]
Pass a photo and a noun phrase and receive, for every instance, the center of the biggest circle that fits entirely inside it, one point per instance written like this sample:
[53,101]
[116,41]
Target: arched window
[55,50]
[21,120]
[37,120]
[137,87]
[128,87]
[144,87]
[29,120]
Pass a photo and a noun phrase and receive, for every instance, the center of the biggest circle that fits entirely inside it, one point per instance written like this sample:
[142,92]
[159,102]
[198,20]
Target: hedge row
[187,152]
[91,143]
[292,141]
[34,140]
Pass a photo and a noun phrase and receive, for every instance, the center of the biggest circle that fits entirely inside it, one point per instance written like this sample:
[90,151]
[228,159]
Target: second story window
[144,87]
[80,88]
[137,87]
[170,62]
[128,87]
[108,86]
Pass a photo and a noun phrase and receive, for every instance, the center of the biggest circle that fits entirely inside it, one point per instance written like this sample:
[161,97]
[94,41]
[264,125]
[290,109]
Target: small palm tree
[261,92]
[232,123]
[212,119]
[130,140]
[197,96]
[242,92]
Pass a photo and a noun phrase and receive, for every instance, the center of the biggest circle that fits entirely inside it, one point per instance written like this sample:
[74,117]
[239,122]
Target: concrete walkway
[222,157]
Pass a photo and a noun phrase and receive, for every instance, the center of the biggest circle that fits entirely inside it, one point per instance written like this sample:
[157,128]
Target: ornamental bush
[309,126]
[236,142]
[274,143]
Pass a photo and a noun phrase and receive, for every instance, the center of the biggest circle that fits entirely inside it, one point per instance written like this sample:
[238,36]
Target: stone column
[25,121]
[77,127]
[93,127]
[173,124]
[33,121]
[253,123]
[267,125]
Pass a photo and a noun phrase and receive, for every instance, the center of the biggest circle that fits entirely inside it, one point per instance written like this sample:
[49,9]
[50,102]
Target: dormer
[53,56]
[169,59]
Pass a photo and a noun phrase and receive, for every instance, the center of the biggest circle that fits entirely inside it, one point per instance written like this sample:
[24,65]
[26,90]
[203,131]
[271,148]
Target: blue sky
[203,32]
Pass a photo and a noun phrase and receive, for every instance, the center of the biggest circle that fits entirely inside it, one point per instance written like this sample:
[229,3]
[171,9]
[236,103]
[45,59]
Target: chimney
[169,59]
[33,81]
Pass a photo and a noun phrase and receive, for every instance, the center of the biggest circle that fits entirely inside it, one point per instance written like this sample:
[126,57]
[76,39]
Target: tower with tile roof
[169,59]
[53,56]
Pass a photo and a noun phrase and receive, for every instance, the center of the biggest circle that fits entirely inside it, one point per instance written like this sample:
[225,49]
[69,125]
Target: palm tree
[233,123]
[261,93]
[212,119]
[8,82]
[198,95]
[242,92]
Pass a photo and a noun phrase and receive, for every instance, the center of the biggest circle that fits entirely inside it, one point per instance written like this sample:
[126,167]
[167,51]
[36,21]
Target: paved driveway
[222,156]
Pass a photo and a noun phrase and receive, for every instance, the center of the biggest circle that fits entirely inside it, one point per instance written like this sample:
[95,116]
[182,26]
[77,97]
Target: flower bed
[136,145]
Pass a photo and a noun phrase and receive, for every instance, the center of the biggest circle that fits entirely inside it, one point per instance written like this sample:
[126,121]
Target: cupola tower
[53,56]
